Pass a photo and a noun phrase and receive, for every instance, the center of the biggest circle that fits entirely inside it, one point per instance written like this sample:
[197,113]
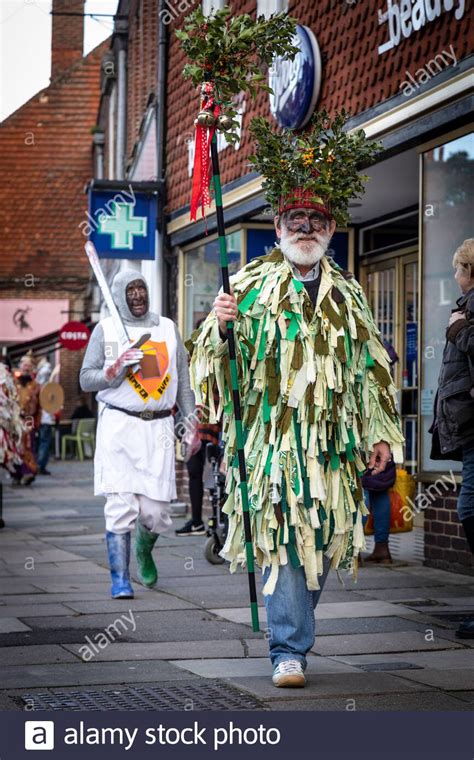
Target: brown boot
[381,554]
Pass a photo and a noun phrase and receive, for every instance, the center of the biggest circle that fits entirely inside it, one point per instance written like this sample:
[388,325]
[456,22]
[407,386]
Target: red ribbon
[202,161]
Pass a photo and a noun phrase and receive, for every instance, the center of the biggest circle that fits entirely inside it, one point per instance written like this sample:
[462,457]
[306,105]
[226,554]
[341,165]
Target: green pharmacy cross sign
[122,224]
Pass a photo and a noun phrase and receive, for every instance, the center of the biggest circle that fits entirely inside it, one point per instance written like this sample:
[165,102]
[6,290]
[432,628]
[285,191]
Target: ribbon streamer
[202,160]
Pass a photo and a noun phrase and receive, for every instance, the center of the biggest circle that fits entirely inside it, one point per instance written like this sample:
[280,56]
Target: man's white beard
[304,252]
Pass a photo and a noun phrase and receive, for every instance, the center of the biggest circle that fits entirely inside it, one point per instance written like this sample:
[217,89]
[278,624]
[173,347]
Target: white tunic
[135,455]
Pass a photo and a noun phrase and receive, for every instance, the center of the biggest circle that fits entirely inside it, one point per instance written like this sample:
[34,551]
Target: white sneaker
[289,673]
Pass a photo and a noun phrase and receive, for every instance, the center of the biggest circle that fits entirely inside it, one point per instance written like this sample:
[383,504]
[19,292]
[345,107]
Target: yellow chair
[85,433]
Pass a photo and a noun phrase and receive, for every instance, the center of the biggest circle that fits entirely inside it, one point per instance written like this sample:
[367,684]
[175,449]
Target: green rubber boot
[144,543]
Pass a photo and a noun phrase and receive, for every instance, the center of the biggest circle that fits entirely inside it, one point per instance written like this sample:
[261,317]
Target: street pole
[224,263]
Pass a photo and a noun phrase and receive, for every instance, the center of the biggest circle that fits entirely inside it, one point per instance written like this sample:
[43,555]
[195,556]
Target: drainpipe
[121,102]
[160,110]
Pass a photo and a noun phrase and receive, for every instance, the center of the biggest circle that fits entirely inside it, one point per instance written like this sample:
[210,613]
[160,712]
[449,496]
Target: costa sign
[74,336]
[296,84]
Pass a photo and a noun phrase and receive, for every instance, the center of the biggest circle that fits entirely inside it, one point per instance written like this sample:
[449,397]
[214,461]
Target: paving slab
[257,666]
[350,685]
[8,702]
[82,586]
[152,601]
[239,614]
[36,655]
[16,586]
[17,557]
[74,570]
[401,641]
[88,674]
[466,696]
[454,679]
[166,625]
[33,610]
[436,593]
[12,625]
[424,702]
[165,650]
[324,611]
[358,609]
[43,598]
[439,660]
[434,575]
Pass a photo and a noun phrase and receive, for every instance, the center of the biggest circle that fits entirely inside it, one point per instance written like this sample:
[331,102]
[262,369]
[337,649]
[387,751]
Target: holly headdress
[316,168]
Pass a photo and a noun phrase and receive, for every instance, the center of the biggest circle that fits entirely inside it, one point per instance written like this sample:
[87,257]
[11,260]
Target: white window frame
[212,5]
[268,7]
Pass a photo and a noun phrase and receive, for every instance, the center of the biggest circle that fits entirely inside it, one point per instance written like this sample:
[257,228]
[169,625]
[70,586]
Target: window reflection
[448,209]
[202,278]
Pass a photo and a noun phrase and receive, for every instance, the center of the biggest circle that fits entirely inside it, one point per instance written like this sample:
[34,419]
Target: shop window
[202,277]
[390,235]
[448,210]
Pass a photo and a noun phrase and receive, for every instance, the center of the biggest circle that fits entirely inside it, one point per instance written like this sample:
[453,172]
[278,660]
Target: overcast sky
[25,46]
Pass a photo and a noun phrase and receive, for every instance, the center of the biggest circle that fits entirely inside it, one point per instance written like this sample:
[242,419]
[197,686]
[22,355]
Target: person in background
[28,395]
[196,465]
[11,426]
[453,425]
[377,495]
[47,421]
[82,410]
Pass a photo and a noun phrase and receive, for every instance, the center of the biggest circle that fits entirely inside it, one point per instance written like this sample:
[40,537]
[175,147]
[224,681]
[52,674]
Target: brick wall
[354,75]
[445,544]
[67,35]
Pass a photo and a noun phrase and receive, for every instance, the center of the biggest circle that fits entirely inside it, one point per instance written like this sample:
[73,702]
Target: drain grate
[213,695]
[376,666]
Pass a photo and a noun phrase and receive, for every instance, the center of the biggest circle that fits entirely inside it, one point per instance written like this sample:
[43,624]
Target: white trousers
[122,510]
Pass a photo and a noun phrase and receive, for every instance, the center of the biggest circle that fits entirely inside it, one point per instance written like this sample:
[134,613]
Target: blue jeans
[45,434]
[465,505]
[379,504]
[290,614]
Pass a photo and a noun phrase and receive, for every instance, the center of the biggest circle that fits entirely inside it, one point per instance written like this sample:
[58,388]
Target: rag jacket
[316,395]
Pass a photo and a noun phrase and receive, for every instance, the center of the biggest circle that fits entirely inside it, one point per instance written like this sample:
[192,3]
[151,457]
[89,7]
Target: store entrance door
[391,285]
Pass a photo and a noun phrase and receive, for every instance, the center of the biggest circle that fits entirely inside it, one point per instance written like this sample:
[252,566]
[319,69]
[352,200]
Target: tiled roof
[46,149]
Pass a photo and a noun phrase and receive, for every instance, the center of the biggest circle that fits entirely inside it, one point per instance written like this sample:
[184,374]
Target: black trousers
[196,488]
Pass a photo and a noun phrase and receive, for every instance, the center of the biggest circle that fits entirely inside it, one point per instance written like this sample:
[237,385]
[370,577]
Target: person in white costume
[137,388]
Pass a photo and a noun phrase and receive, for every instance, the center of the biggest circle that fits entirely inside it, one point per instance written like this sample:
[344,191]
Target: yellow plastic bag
[402,490]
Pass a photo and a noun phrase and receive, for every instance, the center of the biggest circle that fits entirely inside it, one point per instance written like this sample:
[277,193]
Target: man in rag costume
[317,395]
[134,459]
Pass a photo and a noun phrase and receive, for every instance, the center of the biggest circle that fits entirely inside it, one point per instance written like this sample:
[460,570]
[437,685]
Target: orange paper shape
[155,365]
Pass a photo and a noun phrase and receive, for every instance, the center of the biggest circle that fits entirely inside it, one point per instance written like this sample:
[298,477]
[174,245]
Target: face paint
[137,298]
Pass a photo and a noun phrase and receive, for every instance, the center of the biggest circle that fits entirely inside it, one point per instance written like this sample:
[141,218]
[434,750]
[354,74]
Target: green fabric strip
[369,362]
[293,328]
[249,300]
[266,407]
[308,501]
[268,463]
[291,549]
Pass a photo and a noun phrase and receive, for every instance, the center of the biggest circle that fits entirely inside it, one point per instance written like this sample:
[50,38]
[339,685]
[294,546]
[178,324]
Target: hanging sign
[296,84]
[122,225]
[74,336]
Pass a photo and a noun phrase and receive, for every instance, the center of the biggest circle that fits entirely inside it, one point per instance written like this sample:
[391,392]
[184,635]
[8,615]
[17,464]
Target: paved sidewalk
[385,643]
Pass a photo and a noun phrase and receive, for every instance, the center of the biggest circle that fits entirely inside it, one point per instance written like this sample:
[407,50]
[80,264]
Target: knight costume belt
[147,414]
